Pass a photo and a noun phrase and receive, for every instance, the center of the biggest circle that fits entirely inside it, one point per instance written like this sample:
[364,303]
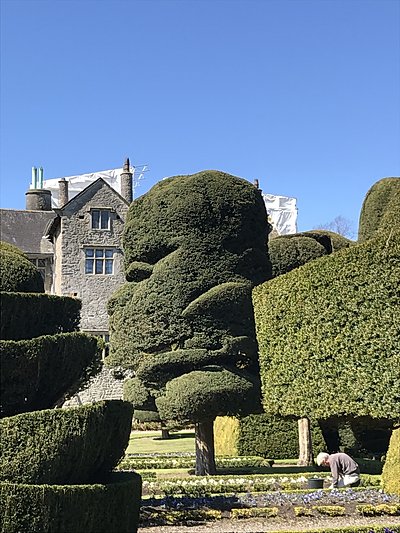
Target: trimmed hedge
[386,528]
[329,337]
[391,468]
[18,274]
[36,373]
[65,446]
[286,253]
[24,316]
[378,210]
[7,247]
[112,507]
[263,435]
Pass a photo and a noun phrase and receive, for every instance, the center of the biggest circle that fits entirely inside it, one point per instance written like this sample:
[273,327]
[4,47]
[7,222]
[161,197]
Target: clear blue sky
[301,94]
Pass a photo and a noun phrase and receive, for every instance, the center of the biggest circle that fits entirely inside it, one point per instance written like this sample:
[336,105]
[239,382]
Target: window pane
[95,219]
[104,219]
[99,252]
[109,266]
[109,253]
[99,266]
[89,266]
[89,252]
[41,262]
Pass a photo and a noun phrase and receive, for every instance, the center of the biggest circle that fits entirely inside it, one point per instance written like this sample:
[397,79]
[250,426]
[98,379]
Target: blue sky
[301,94]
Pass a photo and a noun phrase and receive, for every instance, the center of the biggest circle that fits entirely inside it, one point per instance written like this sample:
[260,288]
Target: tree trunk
[305,444]
[164,431]
[205,457]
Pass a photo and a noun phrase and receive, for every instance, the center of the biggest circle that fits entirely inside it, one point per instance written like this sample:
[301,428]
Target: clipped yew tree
[329,334]
[56,464]
[194,246]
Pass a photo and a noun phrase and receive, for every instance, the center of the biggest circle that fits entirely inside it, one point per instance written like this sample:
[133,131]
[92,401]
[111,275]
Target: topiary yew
[391,468]
[17,273]
[194,248]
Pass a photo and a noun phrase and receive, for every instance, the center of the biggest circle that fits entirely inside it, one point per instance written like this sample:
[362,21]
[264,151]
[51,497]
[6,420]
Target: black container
[315,483]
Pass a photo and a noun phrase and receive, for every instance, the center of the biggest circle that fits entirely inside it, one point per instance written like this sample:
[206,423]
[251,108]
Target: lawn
[151,442]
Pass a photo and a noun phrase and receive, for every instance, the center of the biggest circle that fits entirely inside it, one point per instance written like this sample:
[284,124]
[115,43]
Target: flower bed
[158,462]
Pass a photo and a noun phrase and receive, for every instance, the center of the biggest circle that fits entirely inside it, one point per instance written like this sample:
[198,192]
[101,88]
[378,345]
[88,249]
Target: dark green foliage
[207,393]
[359,436]
[65,446]
[274,437]
[137,394]
[380,209]
[112,507]
[7,247]
[24,316]
[194,248]
[329,335]
[17,273]
[287,254]
[36,373]
[146,416]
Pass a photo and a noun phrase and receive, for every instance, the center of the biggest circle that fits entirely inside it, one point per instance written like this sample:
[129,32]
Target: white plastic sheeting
[78,183]
[282,213]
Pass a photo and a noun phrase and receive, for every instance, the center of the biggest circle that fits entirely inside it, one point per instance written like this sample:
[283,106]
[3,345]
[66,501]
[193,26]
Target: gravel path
[258,525]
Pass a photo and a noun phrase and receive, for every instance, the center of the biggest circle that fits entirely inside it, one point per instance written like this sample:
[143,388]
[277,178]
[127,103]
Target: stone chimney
[38,200]
[126,182]
[62,192]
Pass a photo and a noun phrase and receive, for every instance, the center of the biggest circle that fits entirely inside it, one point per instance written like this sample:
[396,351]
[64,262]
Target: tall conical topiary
[194,246]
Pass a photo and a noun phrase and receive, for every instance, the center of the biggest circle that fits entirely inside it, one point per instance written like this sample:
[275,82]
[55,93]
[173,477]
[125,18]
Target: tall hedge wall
[24,316]
[329,337]
[377,202]
[17,273]
[65,446]
[37,372]
[110,507]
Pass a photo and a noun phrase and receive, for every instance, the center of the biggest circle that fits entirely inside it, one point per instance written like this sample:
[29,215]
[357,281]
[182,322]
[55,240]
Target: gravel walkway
[257,525]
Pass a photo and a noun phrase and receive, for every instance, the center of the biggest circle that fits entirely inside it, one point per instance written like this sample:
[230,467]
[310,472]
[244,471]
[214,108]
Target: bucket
[315,483]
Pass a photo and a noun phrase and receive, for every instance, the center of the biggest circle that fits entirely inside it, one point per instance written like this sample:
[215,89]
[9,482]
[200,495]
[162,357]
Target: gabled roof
[87,190]
[24,229]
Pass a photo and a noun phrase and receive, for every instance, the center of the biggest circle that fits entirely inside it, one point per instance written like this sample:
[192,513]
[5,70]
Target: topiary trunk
[205,455]
[164,431]
[305,444]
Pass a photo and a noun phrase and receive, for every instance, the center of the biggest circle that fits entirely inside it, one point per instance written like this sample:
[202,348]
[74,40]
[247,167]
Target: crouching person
[345,471]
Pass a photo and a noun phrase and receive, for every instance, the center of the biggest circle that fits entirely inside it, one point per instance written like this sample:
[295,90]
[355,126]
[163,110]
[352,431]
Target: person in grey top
[345,471]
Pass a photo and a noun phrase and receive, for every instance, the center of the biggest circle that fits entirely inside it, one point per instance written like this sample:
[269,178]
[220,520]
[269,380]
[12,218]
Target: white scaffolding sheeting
[76,184]
[282,213]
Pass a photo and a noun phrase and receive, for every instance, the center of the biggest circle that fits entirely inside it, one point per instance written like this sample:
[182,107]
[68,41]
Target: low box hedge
[111,507]
[356,529]
[64,446]
[36,373]
[28,315]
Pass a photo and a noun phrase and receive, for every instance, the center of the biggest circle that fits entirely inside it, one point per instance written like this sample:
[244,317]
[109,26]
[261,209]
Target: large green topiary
[17,273]
[329,334]
[194,248]
[111,506]
[378,201]
[62,446]
[391,468]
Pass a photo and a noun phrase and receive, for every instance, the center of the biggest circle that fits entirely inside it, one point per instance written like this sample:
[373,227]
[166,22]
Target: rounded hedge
[377,202]
[17,273]
[36,373]
[24,316]
[109,507]
[287,254]
[65,446]
[329,337]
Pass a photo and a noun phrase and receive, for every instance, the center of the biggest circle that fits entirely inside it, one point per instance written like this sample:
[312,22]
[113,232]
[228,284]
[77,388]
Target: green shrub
[386,528]
[64,446]
[391,468]
[226,431]
[7,247]
[18,274]
[274,437]
[287,253]
[253,512]
[37,372]
[379,212]
[112,507]
[303,511]
[330,510]
[380,509]
[330,322]
[24,316]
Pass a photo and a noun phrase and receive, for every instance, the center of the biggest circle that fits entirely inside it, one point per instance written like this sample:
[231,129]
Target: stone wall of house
[107,385]
[77,234]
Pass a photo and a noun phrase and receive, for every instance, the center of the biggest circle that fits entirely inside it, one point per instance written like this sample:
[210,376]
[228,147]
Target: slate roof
[24,229]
